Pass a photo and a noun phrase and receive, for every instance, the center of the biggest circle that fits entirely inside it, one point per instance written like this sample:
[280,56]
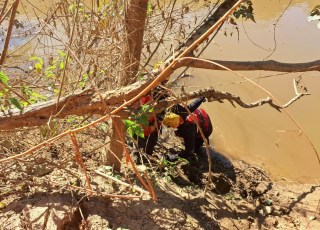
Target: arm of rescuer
[182,111]
[196,103]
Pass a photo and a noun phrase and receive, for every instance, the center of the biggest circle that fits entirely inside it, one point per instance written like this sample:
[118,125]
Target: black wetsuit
[188,131]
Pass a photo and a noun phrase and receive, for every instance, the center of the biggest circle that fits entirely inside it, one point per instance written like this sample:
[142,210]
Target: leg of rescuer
[188,132]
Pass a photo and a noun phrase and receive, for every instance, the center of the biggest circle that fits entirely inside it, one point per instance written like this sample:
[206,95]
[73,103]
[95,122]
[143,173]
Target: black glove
[203,99]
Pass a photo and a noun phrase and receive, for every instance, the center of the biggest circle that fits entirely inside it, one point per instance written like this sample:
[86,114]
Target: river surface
[262,136]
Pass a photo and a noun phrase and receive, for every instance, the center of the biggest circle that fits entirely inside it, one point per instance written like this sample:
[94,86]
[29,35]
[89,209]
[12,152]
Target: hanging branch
[4,14]
[8,37]
[79,159]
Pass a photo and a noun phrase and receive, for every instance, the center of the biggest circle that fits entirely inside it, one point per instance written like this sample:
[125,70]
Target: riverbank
[239,196]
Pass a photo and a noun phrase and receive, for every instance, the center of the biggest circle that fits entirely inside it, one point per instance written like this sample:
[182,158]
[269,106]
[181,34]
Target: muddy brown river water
[263,136]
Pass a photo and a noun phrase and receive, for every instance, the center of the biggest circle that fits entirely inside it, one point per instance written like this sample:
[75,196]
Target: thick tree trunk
[116,150]
[135,17]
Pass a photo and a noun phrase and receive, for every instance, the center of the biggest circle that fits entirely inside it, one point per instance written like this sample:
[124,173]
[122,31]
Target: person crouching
[186,126]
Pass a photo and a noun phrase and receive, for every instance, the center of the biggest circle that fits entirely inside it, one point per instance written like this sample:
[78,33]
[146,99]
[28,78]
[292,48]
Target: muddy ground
[239,196]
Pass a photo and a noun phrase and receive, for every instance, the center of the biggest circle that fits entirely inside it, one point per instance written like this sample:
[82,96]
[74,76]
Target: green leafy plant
[83,80]
[38,65]
[6,100]
[74,6]
[54,66]
[4,78]
[137,119]
[149,8]
[32,96]
[133,128]
[16,103]
[170,167]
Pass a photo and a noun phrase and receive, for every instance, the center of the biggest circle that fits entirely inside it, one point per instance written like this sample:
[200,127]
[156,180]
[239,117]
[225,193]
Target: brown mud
[239,196]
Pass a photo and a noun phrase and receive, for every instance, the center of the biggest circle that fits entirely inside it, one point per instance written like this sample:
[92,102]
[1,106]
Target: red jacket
[154,125]
[203,119]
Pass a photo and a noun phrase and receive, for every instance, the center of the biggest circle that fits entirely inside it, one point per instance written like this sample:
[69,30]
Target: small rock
[266,210]
[291,225]
[312,218]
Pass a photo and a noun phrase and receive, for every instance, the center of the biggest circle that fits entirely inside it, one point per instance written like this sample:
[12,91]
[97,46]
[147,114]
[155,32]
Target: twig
[95,192]
[162,36]
[150,186]
[67,56]
[11,23]
[298,95]
[10,89]
[135,187]
[79,159]
[129,159]
[3,14]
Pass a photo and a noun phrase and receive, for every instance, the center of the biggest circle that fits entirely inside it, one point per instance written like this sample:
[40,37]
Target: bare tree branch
[269,65]
[213,95]
[11,23]
[298,94]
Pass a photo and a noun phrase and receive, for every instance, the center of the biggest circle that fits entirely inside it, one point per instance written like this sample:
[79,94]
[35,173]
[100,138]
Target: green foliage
[32,96]
[4,78]
[16,103]
[245,10]
[149,8]
[54,66]
[133,128]
[137,119]
[7,100]
[73,7]
[83,80]
[170,167]
[38,65]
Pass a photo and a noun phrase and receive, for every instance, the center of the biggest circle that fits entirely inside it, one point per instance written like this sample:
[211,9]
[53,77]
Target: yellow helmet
[172,120]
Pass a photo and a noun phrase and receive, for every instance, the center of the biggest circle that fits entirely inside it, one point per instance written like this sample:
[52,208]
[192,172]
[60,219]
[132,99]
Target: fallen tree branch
[83,103]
